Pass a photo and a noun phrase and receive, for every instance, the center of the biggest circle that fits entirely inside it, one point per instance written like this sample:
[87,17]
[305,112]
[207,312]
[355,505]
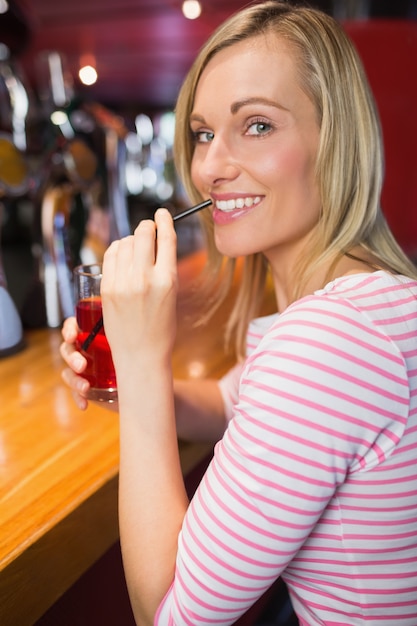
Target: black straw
[193,209]
[92,335]
[99,325]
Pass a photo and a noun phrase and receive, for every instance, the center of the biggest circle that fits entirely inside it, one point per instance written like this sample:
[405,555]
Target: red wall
[388,49]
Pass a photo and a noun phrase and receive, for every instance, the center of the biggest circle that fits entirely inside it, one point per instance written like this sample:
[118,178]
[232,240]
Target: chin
[234,247]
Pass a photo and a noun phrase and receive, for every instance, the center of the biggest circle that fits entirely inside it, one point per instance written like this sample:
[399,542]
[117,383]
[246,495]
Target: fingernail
[82,387]
[77,363]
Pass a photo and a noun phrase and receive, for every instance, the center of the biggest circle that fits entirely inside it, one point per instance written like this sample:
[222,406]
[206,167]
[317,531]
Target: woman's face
[256,139]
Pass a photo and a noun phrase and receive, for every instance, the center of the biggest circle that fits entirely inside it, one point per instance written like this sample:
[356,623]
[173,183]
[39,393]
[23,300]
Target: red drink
[100,369]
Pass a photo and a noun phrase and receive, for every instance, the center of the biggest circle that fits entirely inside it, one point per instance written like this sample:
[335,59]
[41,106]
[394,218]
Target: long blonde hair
[349,166]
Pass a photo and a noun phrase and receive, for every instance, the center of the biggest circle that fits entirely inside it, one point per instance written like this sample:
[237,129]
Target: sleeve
[324,395]
[229,383]
[229,389]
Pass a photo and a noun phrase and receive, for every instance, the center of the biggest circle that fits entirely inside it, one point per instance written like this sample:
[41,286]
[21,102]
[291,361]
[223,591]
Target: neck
[354,262]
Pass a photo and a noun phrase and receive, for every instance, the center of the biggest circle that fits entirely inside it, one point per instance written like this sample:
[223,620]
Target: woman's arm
[139,292]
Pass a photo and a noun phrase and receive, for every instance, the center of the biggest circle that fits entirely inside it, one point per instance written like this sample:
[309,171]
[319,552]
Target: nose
[215,162]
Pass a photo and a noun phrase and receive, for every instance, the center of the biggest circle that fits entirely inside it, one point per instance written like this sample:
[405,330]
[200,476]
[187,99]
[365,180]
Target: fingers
[78,386]
[117,264]
[76,362]
[72,357]
[144,240]
[153,243]
[69,329]
[138,288]
[67,349]
[167,239]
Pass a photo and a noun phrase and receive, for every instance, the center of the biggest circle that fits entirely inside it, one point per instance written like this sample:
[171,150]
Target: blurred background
[87,97]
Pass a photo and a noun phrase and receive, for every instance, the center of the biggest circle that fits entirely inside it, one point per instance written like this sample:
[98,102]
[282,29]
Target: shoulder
[330,332]
[363,310]
[325,361]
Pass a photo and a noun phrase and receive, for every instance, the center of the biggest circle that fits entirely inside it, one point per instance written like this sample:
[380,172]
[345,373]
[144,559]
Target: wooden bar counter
[59,465]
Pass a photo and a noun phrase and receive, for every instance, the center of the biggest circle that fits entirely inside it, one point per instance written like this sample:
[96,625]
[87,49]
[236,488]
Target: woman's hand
[72,375]
[139,290]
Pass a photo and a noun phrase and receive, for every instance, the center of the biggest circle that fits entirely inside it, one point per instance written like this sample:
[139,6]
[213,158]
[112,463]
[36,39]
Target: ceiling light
[59,117]
[144,128]
[191,9]
[88,75]
[4,6]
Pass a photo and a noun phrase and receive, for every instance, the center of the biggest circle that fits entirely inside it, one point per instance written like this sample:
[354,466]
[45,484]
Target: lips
[228,210]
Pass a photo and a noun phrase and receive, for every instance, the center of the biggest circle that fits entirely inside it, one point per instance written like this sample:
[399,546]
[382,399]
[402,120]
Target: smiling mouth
[237,203]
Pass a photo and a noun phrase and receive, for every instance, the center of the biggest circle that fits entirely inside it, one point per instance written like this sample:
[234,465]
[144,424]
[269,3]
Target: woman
[314,478]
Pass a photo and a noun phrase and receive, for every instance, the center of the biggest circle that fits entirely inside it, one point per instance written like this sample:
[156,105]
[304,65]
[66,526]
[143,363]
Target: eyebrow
[236,106]
[194,117]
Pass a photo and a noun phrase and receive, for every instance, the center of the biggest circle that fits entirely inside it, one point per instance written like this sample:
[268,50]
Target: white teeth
[237,203]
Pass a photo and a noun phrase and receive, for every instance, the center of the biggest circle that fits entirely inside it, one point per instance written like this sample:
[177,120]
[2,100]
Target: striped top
[315,478]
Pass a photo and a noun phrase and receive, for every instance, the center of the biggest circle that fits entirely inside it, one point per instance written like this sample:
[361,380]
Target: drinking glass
[91,340]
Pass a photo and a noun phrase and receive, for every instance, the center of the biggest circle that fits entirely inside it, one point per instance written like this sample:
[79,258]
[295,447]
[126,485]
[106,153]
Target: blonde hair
[349,168]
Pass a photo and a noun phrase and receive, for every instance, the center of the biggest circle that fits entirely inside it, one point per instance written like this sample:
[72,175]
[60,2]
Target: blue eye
[203,136]
[259,127]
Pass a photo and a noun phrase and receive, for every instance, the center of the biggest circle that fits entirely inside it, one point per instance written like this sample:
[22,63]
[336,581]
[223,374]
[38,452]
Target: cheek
[299,179]
[291,174]
[290,164]
[195,173]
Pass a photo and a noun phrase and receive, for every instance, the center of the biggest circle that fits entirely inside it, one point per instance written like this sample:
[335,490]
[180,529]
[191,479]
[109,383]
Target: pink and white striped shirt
[315,479]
